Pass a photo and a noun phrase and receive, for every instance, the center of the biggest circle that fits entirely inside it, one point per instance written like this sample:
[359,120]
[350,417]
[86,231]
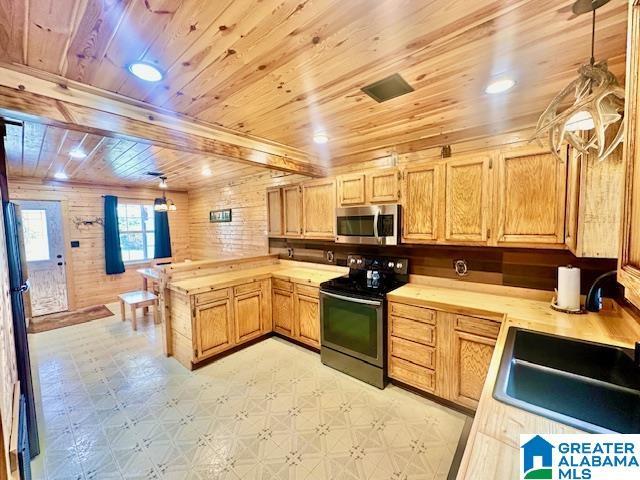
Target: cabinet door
[382,186]
[248,315]
[531,198]
[467,194]
[319,209]
[283,312]
[629,263]
[213,324]
[351,189]
[274,212]
[420,197]
[292,210]
[471,358]
[308,320]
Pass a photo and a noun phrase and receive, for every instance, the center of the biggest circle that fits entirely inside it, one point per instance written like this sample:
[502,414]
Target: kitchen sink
[589,386]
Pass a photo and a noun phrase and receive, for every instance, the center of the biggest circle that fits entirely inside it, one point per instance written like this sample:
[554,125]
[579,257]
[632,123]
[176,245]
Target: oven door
[373,224]
[353,326]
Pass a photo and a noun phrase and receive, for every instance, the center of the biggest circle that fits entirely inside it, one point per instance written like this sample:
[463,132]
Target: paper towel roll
[568,288]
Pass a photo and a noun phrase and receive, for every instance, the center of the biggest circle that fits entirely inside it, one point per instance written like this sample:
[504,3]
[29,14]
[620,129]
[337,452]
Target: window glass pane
[132,246]
[36,238]
[150,244]
[122,217]
[135,223]
[148,220]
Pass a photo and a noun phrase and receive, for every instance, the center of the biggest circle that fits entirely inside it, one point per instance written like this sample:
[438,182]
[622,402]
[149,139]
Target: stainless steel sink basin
[586,385]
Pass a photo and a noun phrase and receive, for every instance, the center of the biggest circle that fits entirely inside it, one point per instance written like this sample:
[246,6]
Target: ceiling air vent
[388,88]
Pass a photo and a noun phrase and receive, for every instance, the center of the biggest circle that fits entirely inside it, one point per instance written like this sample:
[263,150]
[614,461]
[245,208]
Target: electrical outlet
[290,252]
[461,268]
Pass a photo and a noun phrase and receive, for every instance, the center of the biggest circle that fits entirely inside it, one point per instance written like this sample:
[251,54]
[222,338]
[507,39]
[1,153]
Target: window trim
[149,255]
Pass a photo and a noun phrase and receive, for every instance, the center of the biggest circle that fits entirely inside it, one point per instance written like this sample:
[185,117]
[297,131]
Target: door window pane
[36,237]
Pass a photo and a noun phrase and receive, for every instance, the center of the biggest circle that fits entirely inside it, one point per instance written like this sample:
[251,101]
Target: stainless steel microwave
[371,224]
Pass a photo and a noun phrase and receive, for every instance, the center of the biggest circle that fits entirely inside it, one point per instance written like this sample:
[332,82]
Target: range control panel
[399,266]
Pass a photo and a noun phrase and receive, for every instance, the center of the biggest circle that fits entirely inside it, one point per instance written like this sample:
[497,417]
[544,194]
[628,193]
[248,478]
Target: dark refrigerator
[18,285]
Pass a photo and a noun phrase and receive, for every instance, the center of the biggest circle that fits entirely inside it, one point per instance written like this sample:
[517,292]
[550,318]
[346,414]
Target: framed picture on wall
[219,216]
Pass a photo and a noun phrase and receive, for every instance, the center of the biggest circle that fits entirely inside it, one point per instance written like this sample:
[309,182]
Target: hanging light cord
[593,37]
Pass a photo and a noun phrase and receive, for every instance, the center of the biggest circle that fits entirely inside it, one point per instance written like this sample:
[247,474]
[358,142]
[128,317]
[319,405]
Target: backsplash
[527,268]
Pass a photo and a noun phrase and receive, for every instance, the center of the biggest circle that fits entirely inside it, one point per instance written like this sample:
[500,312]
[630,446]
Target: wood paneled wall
[89,284]
[247,232]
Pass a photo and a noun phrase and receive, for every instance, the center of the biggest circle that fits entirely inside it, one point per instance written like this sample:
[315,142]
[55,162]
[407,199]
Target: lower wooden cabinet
[282,304]
[471,357]
[247,313]
[296,312]
[308,318]
[442,353]
[213,327]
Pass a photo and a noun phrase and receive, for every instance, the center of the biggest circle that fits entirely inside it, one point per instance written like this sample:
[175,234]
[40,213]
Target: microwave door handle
[352,299]
[376,217]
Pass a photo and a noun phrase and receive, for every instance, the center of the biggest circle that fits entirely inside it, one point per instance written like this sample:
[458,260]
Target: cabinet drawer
[412,330]
[282,285]
[415,313]
[412,374]
[412,352]
[479,326]
[308,291]
[247,288]
[209,297]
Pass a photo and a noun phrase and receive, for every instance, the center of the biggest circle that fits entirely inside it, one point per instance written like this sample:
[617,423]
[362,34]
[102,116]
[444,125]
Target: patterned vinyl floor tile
[111,406]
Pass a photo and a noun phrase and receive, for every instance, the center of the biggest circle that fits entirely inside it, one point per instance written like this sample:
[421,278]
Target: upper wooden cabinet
[629,261]
[531,195]
[382,186]
[420,194]
[351,189]
[467,197]
[274,212]
[319,208]
[292,210]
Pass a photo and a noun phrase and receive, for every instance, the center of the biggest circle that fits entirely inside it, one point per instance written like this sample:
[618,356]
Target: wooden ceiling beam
[53,100]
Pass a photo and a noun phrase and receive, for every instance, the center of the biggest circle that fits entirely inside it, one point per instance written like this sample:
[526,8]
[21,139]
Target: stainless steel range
[353,317]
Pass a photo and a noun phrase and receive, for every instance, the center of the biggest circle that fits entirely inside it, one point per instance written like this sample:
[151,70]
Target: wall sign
[219,216]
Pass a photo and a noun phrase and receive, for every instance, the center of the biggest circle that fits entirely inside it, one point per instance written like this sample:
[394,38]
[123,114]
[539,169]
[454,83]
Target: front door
[44,251]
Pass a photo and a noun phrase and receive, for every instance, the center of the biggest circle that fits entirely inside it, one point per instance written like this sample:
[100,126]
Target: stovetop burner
[369,277]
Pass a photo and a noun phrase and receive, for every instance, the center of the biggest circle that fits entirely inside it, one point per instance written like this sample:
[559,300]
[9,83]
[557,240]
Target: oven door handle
[352,299]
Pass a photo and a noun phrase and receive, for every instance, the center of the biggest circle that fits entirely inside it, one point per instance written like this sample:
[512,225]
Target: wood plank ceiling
[284,69]
[40,151]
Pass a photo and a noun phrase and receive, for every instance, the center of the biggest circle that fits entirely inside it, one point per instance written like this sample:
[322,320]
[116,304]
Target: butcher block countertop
[296,274]
[492,450]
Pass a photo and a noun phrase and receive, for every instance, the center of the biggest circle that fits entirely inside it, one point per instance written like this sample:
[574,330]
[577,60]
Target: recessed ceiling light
[77,153]
[320,138]
[206,171]
[500,85]
[146,71]
[60,176]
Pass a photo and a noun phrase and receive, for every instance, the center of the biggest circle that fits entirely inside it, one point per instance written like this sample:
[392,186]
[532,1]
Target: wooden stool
[139,299]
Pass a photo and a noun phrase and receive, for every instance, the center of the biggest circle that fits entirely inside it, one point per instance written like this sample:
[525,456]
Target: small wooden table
[148,274]
[139,299]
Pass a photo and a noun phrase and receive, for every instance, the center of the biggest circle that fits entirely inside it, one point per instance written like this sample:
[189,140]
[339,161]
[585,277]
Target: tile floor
[113,407]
